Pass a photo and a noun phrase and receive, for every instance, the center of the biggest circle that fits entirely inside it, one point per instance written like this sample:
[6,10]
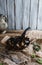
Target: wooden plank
[26,7]
[40,16]
[14,31]
[10,7]
[33,14]
[32,34]
[18,4]
[3,7]
[9,34]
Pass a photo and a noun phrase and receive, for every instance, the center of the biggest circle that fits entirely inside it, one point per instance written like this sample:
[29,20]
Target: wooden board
[26,13]
[21,57]
[31,34]
[18,5]
[33,14]
[40,16]
[10,13]
[3,8]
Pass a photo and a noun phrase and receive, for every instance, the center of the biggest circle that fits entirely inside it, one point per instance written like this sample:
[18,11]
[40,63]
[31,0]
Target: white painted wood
[3,7]
[18,4]
[26,7]
[33,14]
[10,7]
[40,16]
[24,16]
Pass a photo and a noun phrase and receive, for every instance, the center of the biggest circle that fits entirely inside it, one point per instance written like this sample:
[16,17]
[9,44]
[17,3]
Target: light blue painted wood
[26,7]
[40,16]
[26,13]
[33,14]
[18,4]
[10,7]
[3,7]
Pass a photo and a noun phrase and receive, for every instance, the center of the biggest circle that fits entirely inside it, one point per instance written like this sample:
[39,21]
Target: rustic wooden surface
[21,57]
[31,34]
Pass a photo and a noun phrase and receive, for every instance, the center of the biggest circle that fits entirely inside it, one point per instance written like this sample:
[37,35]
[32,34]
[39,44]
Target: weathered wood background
[22,13]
